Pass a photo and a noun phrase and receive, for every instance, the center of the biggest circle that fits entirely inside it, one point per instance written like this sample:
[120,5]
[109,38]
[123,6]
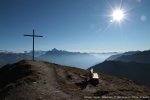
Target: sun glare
[118,15]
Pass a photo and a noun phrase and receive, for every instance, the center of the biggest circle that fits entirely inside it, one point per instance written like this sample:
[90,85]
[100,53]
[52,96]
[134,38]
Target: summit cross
[33,40]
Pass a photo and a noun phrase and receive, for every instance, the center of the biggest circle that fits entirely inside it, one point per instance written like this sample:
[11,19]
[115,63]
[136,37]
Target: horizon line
[81,51]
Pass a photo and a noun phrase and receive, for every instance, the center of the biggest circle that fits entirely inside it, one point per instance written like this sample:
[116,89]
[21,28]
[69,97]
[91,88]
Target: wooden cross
[33,41]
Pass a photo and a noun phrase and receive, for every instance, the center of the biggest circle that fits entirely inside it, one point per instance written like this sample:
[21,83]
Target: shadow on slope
[138,72]
[13,75]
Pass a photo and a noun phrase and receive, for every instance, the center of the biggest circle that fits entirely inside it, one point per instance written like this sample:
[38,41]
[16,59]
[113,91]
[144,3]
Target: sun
[117,15]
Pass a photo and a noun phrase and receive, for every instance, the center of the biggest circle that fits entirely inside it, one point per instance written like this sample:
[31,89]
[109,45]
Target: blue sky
[74,25]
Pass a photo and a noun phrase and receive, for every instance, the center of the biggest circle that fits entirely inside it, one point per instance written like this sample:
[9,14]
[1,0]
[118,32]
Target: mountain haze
[36,53]
[142,57]
[6,58]
[76,59]
[113,57]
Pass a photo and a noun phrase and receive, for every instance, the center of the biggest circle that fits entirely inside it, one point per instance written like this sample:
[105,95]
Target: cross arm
[27,35]
[37,36]
[33,35]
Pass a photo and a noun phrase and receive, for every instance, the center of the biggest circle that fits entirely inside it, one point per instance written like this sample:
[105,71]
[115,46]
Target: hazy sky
[75,25]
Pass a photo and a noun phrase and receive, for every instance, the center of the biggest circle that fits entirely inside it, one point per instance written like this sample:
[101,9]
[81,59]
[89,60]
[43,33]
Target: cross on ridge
[33,40]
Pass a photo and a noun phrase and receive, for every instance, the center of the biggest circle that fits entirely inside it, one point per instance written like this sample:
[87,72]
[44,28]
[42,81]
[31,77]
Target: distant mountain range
[142,57]
[3,51]
[6,58]
[36,53]
[6,52]
[137,56]
[12,57]
[104,52]
[113,57]
[76,59]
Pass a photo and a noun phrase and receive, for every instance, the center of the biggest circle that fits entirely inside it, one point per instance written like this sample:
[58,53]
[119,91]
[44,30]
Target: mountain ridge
[113,57]
[142,57]
[136,71]
[6,58]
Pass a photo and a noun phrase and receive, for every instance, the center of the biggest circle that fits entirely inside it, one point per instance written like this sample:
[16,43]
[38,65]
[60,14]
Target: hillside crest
[31,80]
